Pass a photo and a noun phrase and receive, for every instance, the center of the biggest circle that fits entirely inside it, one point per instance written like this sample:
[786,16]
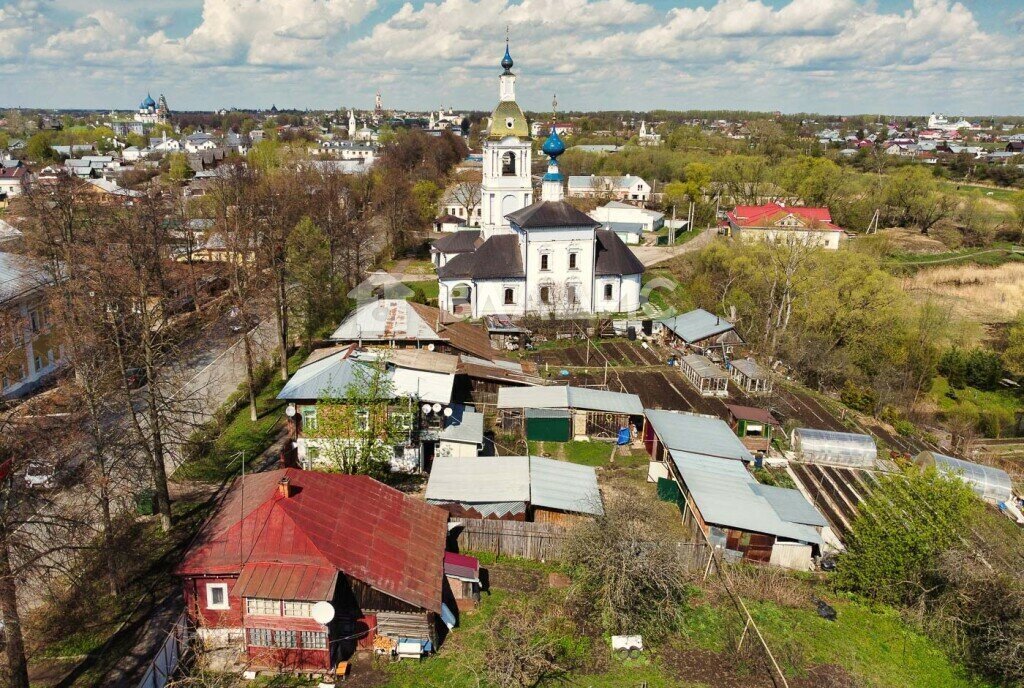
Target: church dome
[508,120]
[147,103]
[553,146]
[506,62]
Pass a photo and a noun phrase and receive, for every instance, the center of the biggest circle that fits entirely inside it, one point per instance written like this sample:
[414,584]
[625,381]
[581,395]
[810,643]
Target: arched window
[508,164]
[607,292]
[545,294]
[510,297]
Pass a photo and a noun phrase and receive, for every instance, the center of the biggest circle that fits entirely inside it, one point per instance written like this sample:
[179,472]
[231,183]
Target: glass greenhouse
[990,483]
[836,448]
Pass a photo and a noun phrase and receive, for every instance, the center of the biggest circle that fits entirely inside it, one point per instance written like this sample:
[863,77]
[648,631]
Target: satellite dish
[323,612]
[289,410]
[437,407]
[448,412]
[426,408]
[430,347]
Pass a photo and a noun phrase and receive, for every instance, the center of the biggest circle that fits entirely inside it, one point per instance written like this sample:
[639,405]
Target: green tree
[178,169]
[265,155]
[903,527]
[426,194]
[308,258]
[39,149]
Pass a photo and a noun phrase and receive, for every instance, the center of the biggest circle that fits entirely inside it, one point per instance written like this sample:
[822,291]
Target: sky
[829,56]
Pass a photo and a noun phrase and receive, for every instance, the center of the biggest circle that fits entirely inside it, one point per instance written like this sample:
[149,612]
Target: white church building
[532,257]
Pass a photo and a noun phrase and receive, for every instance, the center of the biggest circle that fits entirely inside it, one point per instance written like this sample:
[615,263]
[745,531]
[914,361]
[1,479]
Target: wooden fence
[543,542]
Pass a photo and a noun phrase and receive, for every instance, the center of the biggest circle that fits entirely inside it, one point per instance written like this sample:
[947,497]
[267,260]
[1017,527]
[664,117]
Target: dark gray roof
[614,257]
[496,258]
[551,214]
[458,242]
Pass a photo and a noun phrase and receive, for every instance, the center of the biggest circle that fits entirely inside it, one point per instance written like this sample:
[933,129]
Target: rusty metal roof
[350,523]
[286,582]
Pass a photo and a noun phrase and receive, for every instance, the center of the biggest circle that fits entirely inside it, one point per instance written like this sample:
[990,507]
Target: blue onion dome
[506,62]
[148,102]
[553,146]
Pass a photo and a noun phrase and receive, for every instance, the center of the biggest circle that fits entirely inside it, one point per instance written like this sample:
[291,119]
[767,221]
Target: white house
[628,188]
[616,212]
[543,257]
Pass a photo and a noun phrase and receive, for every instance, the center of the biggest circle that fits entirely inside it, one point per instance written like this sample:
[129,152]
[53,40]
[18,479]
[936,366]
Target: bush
[861,399]
[977,368]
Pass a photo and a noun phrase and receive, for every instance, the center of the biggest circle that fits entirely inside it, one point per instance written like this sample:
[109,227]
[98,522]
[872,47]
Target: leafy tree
[357,427]
[39,149]
[178,169]
[309,264]
[265,155]
[903,527]
[426,194]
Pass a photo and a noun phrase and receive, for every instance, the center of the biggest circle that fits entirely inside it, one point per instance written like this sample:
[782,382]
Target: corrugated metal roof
[385,319]
[479,479]
[275,581]
[697,434]
[558,396]
[564,486]
[703,367]
[461,566]
[758,415]
[464,426]
[726,495]
[423,385]
[18,275]
[697,325]
[791,505]
[371,532]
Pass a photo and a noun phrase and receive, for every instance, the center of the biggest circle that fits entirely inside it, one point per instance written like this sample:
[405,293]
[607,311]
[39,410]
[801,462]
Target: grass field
[588,453]
[428,287]
[974,292]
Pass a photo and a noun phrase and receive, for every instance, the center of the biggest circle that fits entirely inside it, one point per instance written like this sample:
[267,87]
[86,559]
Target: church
[543,257]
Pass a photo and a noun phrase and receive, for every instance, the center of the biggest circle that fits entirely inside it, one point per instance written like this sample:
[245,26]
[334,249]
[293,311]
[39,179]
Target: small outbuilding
[846,449]
[750,377]
[702,332]
[988,482]
[463,433]
[705,376]
[593,413]
[753,426]
[691,433]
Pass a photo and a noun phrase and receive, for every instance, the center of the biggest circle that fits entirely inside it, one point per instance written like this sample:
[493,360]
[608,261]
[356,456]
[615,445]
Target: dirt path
[652,255]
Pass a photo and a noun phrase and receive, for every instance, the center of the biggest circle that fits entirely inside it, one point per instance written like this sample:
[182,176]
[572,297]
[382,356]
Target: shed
[559,490]
[548,425]
[463,434]
[752,425]
[750,377]
[703,332]
[709,379]
[693,433]
[848,449]
[594,413]
[988,482]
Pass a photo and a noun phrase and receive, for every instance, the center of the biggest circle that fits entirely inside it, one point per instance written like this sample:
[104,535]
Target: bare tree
[465,191]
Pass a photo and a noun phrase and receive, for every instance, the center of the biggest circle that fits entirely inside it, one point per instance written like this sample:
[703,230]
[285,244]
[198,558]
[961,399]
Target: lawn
[997,408]
[665,292]
[214,461]
[427,288]
[594,453]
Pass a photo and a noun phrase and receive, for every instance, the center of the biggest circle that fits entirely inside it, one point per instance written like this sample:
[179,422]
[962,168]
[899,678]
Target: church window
[510,297]
[545,294]
[544,262]
[573,294]
[508,164]
[573,260]
[607,292]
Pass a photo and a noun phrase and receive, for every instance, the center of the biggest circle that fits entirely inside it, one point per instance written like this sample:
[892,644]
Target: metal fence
[168,658]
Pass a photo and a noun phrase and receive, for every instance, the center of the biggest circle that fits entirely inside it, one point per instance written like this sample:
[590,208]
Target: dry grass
[899,239]
[980,294]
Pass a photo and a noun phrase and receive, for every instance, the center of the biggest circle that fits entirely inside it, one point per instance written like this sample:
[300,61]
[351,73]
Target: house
[296,569]
[568,412]
[463,201]
[32,350]
[754,426]
[545,257]
[615,213]
[326,428]
[701,332]
[705,376]
[627,188]
[13,180]
[447,247]
[449,223]
[514,488]
[776,222]
[750,377]
[199,141]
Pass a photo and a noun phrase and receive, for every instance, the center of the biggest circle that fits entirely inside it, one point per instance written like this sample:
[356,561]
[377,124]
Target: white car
[39,475]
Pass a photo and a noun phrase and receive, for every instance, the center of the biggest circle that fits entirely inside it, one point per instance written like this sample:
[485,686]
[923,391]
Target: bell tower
[506,186]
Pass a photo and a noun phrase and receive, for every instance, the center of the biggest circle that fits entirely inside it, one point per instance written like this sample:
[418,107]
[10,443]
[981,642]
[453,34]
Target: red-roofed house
[13,180]
[284,540]
[779,222]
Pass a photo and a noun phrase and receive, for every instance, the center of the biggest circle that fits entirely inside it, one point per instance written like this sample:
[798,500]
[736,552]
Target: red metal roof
[752,413]
[286,582]
[461,566]
[351,523]
[767,215]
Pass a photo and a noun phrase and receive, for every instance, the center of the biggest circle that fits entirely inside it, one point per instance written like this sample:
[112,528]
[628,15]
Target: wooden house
[560,412]
[701,332]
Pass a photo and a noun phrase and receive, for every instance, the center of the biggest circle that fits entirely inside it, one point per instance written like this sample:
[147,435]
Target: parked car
[40,476]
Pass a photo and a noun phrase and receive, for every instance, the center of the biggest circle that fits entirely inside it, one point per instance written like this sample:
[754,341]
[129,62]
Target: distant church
[527,257]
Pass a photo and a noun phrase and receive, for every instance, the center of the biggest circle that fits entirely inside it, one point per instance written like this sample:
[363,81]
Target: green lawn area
[428,288]
[594,453]
[1000,194]
[995,410]
[668,292]
[420,267]
[212,462]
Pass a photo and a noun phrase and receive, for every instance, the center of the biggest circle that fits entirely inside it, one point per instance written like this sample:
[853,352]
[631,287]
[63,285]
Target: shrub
[861,399]
[983,369]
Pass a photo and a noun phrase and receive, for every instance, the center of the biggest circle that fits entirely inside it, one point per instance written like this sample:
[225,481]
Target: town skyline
[838,57]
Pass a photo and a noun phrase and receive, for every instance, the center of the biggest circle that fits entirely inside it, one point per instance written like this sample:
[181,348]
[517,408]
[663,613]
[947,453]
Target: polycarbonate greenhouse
[836,448]
[990,483]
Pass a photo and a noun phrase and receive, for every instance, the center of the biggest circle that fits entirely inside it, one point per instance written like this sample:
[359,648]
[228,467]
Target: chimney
[284,487]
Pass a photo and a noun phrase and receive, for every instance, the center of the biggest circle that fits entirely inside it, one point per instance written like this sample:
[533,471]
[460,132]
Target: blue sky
[842,56]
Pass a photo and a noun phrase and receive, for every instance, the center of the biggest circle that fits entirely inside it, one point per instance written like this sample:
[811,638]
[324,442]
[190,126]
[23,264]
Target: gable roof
[769,214]
[614,257]
[697,325]
[458,242]
[545,214]
[699,435]
[496,258]
[351,523]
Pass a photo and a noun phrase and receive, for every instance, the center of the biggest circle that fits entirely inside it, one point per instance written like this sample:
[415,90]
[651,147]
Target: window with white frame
[296,608]
[572,292]
[262,607]
[217,596]
[574,260]
[544,262]
[314,640]
[608,290]
[402,420]
[510,296]
[309,418]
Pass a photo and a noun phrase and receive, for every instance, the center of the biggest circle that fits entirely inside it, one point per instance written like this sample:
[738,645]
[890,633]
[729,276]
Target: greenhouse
[990,483]
[836,448]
